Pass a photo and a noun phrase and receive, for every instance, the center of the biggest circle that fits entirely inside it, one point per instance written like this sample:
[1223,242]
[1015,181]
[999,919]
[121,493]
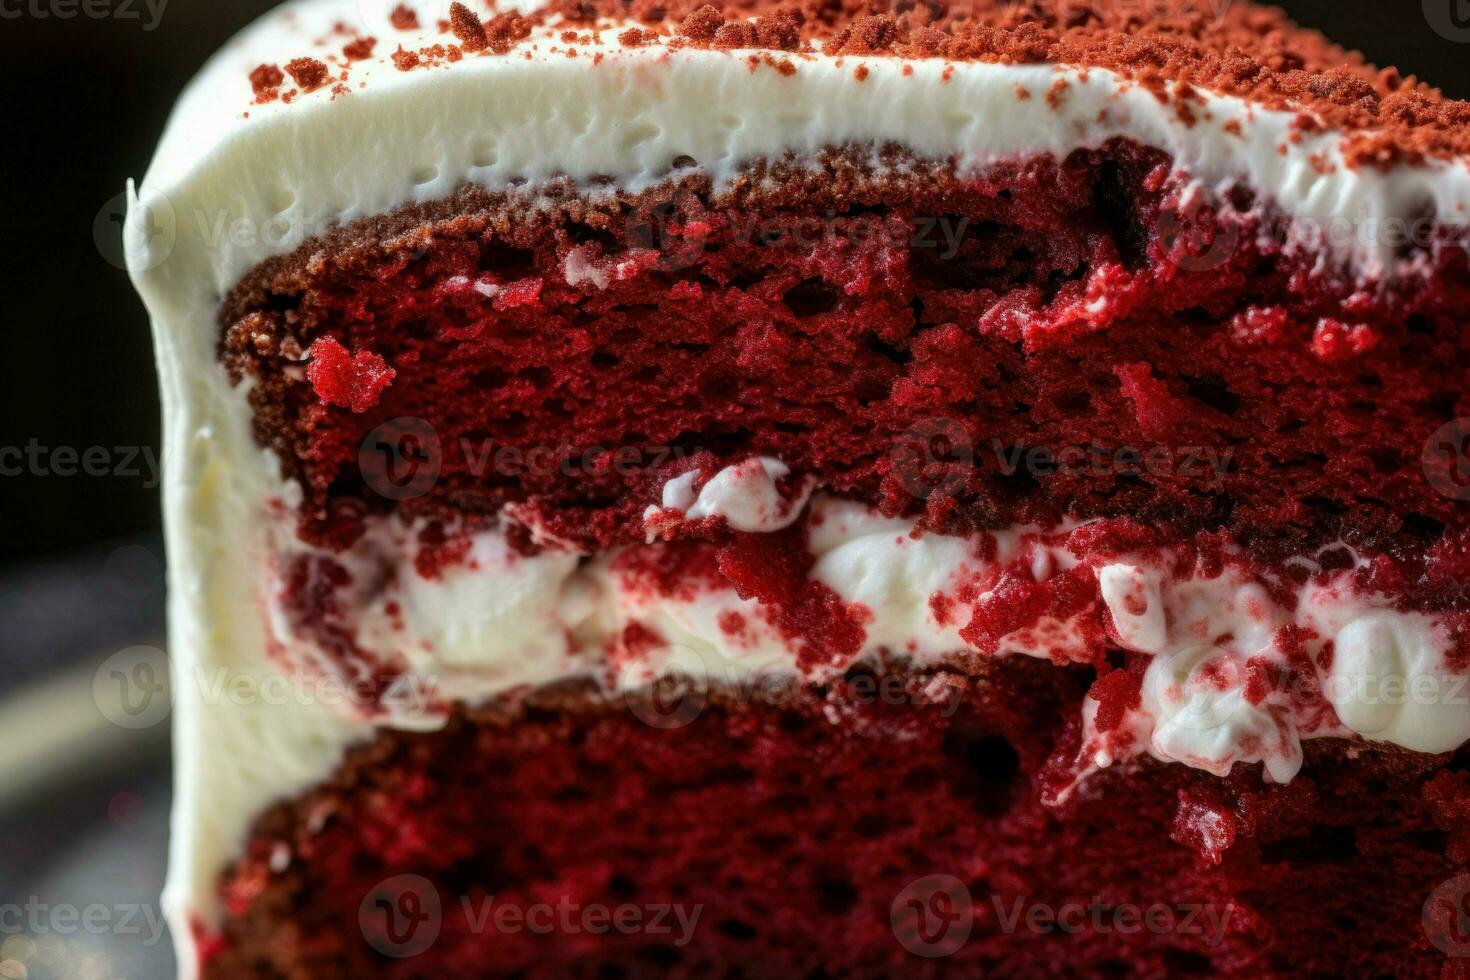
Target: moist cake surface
[1091,381]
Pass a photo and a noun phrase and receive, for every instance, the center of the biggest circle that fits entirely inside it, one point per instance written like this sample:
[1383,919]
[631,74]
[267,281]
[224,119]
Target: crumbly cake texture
[736,345]
[796,866]
[1248,359]
[1050,304]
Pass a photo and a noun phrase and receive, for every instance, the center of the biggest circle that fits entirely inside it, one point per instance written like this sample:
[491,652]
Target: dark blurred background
[81,800]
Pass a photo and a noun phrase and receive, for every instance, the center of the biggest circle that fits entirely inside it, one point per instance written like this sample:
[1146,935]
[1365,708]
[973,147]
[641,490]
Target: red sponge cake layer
[1057,338]
[887,825]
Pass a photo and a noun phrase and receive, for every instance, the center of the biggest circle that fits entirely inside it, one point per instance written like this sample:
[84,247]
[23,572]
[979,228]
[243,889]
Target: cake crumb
[360,49]
[1057,94]
[703,24]
[265,81]
[347,380]
[404,18]
[504,31]
[308,73]
[735,35]
[467,27]
[405,60]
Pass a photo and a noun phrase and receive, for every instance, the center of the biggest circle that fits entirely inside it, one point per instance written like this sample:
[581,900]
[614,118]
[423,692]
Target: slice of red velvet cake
[814,490]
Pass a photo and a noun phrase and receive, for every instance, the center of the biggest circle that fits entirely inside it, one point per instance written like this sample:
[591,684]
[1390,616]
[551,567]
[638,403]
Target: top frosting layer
[332,110]
[1223,46]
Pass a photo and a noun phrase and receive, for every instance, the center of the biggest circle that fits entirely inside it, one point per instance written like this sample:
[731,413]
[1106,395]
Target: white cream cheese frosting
[234,183]
[499,620]
[242,182]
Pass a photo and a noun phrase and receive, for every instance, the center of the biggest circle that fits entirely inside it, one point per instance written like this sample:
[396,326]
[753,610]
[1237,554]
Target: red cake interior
[1056,338]
[796,825]
[931,347]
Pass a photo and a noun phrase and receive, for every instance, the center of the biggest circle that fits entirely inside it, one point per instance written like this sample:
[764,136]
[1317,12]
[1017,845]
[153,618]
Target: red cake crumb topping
[633,37]
[404,18]
[867,35]
[702,24]
[467,28]
[1117,693]
[772,569]
[505,30]
[265,80]
[309,73]
[360,49]
[1252,52]
[405,60]
[1242,49]
[352,381]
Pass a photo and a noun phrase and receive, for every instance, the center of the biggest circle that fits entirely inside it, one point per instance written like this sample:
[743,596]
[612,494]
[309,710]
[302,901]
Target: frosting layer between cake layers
[1221,636]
